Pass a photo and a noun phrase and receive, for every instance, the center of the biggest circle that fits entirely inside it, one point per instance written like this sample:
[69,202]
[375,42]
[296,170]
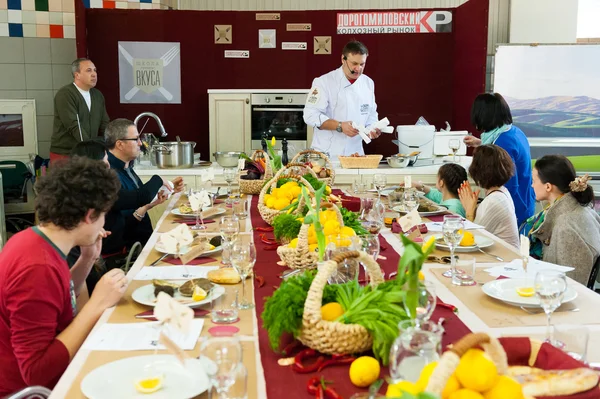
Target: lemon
[347,231]
[506,387]
[149,385]
[451,386]
[466,394]
[468,239]
[425,375]
[293,243]
[364,371]
[211,247]
[526,291]
[199,294]
[312,247]
[332,227]
[397,390]
[331,311]
[476,371]
[281,203]
[327,190]
[428,244]
[271,202]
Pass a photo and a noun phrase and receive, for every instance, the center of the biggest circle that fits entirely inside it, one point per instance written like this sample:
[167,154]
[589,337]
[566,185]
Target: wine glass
[426,300]
[550,287]
[370,244]
[221,356]
[371,214]
[454,145]
[452,230]
[229,226]
[229,175]
[411,200]
[243,257]
[379,181]
[200,200]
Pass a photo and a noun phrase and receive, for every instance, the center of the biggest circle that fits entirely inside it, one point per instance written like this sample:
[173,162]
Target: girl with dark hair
[567,231]
[449,178]
[491,116]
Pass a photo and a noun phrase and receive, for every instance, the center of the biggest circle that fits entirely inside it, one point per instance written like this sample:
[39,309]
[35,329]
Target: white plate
[116,380]
[440,210]
[505,290]
[145,295]
[386,191]
[481,241]
[176,212]
[185,250]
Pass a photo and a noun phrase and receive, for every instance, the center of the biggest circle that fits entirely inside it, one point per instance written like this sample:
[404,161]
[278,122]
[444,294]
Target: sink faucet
[163,133]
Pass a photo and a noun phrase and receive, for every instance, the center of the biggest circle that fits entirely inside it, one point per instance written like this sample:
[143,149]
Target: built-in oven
[280,115]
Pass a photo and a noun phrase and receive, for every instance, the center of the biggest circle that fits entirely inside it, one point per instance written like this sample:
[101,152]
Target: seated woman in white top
[491,168]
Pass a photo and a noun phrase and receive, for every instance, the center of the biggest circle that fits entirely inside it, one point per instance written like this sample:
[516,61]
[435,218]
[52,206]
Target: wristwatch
[339,127]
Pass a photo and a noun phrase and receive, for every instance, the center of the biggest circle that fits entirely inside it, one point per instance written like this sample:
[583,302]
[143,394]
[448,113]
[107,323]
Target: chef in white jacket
[337,99]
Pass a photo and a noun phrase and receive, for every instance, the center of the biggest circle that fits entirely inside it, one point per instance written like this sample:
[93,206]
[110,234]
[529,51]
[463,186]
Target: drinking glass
[371,214]
[452,230]
[240,207]
[223,309]
[426,300]
[379,182]
[348,269]
[243,257]
[454,145]
[239,389]
[411,352]
[370,244]
[229,226]
[198,212]
[221,356]
[550,287]
[411,200]
[425,325]
[573,339]
[229,175]
[464,272]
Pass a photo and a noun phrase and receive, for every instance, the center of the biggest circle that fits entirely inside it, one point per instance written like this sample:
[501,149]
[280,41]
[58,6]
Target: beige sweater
[571,237]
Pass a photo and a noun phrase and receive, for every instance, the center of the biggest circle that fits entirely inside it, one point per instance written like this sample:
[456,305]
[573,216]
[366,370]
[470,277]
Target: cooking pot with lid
[174,154]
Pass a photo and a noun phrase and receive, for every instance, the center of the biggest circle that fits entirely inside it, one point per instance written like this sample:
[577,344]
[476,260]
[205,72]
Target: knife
[159,259]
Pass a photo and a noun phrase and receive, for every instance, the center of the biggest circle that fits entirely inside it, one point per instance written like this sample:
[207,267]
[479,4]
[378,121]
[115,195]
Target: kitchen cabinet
[229,121]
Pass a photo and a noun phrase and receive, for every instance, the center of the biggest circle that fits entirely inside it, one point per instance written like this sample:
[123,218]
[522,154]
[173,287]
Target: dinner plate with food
[181,240]
[426,208]
[184,210]
[472,243]
[192,293]
[520,292]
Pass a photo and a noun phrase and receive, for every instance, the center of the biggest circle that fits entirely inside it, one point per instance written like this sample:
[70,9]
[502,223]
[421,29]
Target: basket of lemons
[301,253]
[282,194]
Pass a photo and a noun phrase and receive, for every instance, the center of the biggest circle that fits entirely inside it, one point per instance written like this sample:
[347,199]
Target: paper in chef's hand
[410,220]
[362,131]
[173,313]
[365,132]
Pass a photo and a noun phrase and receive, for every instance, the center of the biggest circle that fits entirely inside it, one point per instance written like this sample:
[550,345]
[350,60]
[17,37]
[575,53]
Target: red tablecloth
[283,381]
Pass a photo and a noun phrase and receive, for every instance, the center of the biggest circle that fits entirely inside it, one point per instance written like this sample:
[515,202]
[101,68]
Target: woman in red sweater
[40,331]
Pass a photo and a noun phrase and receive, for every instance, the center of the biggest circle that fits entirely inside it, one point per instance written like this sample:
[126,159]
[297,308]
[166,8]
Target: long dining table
[474,311]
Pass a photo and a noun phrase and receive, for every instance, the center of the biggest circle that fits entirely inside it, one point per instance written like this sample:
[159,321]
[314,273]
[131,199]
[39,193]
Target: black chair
[35,392]
[593,275]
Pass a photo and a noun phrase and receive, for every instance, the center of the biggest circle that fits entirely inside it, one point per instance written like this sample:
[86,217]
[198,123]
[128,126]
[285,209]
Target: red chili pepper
[266,240]
[287,351]
[448,306]
[337,359]
[270,247]
[330,393]
[320,393]
[260,280]
[299,366]
[318,386]
[313,385]
[270,228]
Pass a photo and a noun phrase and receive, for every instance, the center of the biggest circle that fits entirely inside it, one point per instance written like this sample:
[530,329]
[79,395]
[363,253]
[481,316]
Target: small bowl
[412,159]
[315,159]
[227,159]
[397,162]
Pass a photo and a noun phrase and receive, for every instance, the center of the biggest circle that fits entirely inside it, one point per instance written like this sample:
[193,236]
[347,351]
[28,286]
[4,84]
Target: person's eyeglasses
[132,139]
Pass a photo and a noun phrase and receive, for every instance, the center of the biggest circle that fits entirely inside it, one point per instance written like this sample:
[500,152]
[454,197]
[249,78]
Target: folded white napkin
[200,201]
[514,269]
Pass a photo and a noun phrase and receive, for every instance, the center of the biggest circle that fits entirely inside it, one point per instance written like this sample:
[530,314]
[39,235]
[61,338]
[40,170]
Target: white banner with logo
[350,23]
[149,73]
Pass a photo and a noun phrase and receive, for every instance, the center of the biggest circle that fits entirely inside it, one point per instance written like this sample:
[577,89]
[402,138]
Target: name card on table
[410,220]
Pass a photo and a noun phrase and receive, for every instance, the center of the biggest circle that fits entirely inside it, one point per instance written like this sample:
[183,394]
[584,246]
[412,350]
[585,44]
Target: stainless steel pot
[174,154]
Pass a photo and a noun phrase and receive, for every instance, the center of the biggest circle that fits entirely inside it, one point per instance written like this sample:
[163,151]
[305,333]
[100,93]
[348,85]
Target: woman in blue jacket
[491,116]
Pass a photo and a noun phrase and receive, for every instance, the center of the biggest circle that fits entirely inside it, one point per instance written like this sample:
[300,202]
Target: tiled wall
[36,68]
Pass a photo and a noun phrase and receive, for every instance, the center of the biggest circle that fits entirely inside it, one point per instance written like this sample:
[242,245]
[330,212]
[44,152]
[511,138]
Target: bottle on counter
[263,141]
[284,149]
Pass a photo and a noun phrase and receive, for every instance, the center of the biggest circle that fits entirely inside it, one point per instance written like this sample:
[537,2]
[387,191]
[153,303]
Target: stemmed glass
[379,181]
[229,226]
[452,230]
[370,244]
[243,257]
[550,287]
[454,145]
[229,175]
[426,300]
[200,200]
[371,214]
[411,200]
[222,356]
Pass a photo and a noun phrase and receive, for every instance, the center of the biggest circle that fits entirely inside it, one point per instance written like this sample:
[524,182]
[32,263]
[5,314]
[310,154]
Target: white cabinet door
[230,123]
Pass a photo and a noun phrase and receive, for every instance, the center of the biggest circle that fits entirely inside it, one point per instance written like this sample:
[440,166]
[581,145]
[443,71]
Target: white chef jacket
[332,96]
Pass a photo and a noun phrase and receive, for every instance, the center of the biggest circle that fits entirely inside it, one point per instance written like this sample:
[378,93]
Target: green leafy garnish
[351,220]
[286,225]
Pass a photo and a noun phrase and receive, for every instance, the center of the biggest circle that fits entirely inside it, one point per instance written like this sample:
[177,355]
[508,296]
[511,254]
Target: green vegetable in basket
[284,309]
[314,182]
[286,226]
[351,220]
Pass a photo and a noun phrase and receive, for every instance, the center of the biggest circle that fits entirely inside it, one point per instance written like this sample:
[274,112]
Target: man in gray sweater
[79,110]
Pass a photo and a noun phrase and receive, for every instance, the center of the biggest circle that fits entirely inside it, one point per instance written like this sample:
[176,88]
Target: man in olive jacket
[79,110]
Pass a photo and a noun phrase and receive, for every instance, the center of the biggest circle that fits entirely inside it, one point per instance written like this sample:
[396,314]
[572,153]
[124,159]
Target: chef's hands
[375,133]
[348,130]
[472,141]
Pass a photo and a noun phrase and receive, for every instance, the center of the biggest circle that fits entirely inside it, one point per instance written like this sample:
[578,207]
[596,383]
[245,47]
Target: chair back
[35,392]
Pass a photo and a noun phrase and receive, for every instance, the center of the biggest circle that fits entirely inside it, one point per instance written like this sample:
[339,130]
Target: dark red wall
[434,75]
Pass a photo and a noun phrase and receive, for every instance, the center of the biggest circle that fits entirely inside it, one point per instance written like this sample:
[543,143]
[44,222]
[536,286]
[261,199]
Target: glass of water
[379,182]
[229,226]
[573,339]
[452,230]
[550,287]
[221,357]
[411,200]
[229,174]
[454,145]
[240,207]
[370,244]
[243,257]
[223,309]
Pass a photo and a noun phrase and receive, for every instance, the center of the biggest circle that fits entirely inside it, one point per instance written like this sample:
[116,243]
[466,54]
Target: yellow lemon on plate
[149,385]
[364,371]
[331,311]
[468,239]
[526,291]
[398,389]
[466,394]
[476,371]
[506,387]
[199,294]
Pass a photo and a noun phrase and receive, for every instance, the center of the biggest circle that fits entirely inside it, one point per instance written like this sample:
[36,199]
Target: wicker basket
[254,186]
[366,162]
[331,337]
[298,168]
[301,257]
[450,359]
[327,180]
[269,214]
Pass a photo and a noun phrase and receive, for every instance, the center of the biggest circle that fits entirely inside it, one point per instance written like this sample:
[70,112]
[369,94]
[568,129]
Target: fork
[530,311]
[488,254]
